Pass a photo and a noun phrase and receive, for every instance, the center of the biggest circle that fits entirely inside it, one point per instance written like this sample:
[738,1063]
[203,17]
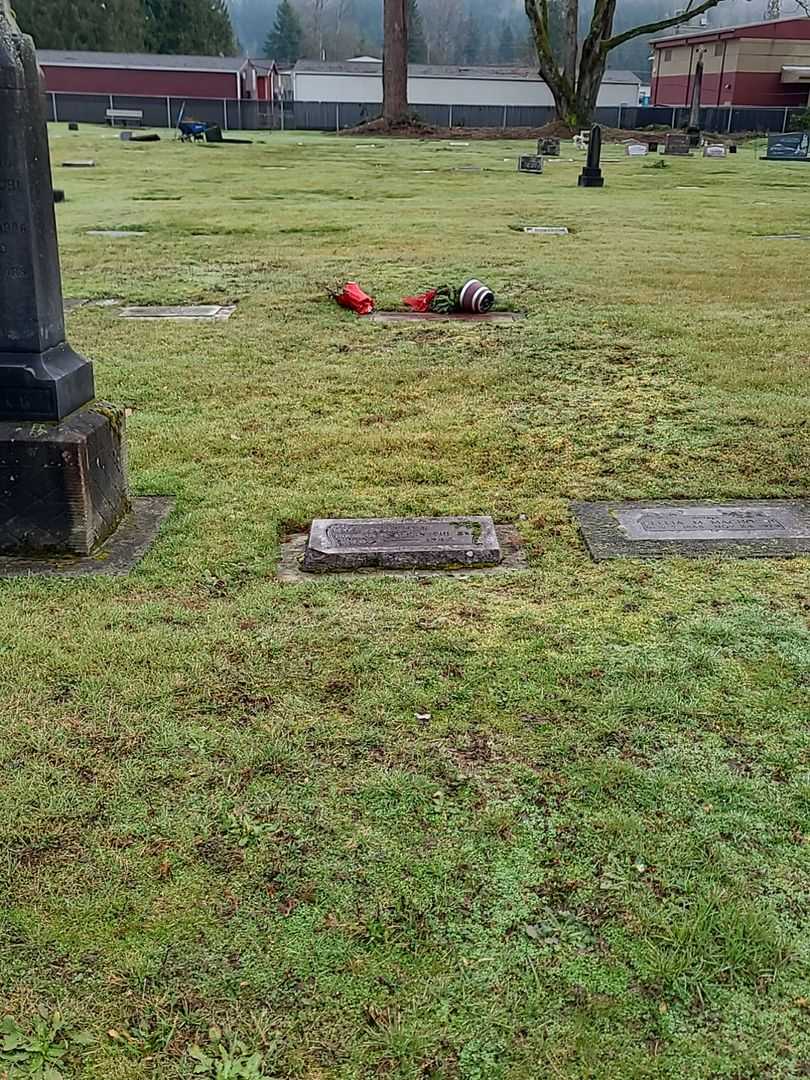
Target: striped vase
[475,297]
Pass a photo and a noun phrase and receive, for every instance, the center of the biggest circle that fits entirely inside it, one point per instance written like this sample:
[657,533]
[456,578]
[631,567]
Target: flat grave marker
[546,230]
[345,544]
[84,163]
[769,528]
[115,234]
[189,313]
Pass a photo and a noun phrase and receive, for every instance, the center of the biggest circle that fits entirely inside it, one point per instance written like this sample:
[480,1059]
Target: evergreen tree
[417,44]
[470,52]
[191,27]
[111,26]
[284,41]
[506,45]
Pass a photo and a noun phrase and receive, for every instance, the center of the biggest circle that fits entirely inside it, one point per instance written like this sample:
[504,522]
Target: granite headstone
[62,459]
[591,175]
[530,163]
[41,377]
[347,544]
[677,143]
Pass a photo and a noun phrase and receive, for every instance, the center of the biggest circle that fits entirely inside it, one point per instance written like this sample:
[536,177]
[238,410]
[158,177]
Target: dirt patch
[415,129]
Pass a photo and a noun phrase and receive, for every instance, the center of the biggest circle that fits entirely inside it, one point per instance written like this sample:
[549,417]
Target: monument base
[63,487]
[44,386]
[590,177]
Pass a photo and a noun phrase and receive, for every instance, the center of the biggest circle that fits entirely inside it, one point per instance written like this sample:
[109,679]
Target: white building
[355,81]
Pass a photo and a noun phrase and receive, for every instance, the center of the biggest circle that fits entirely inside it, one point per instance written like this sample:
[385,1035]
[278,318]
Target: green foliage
[114,26]
[284,41]
[801,121]
[227,1061]
[189,27]
[196,27]
[417,43]
[43,1052]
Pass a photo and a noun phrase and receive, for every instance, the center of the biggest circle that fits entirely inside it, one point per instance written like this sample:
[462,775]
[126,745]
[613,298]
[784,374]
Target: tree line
[177,27]
[439,32]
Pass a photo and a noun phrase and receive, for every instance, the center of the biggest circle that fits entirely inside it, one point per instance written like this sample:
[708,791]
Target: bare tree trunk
[395,62]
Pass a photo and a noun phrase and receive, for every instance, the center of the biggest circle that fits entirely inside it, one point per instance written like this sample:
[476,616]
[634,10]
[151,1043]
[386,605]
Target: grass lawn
[544,824]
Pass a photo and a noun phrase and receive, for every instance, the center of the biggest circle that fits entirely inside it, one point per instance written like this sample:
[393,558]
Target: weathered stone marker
[591,175]
[337,544]
[677,143]
[62,460]
[745,529]
[530,163]
[548,146]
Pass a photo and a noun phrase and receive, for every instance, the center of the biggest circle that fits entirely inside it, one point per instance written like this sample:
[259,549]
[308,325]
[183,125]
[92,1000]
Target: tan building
[764,64]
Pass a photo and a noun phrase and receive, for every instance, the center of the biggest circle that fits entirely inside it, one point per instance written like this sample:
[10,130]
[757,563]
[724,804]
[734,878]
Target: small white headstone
[714,151]
[636,149]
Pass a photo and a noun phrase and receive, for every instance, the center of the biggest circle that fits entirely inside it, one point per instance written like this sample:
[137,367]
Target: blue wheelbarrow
[192,130]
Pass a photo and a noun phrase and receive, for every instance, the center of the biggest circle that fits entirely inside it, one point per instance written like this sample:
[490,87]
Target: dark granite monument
[401,544]
[677,143]
[591,175]
[745,529]
[789,146]
[530,163]
[62,459]
[548,146]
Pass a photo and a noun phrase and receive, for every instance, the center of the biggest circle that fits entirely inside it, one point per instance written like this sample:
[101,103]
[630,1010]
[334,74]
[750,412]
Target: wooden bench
[126,116]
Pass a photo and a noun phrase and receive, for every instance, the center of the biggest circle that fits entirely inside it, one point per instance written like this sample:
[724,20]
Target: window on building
[667,54]
[718,50]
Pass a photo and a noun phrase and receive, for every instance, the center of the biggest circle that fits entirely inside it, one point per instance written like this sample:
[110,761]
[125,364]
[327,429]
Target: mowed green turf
[551,824]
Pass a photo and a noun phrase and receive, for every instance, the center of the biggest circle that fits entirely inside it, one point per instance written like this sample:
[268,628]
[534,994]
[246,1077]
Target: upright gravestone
[676,143]
[62,468]
[591,175]
[530,163]
[549,146]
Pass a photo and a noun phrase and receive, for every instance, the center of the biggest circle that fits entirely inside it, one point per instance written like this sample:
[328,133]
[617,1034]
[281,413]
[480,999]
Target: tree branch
[662,24]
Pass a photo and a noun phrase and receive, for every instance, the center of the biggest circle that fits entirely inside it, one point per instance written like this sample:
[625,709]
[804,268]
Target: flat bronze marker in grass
[189,313]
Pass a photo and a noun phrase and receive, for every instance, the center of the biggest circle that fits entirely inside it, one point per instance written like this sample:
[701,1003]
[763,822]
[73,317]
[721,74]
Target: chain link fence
[251,115]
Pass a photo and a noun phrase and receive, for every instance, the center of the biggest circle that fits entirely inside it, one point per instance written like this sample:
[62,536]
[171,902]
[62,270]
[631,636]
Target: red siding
[144,82]
[755,88]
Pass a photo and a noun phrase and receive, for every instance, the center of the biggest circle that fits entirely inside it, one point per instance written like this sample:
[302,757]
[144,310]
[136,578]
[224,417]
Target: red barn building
[141,75]
[765,64]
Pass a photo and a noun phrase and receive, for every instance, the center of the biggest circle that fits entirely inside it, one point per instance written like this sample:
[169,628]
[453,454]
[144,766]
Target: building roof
[433,71]
[138,61]
[676,36]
